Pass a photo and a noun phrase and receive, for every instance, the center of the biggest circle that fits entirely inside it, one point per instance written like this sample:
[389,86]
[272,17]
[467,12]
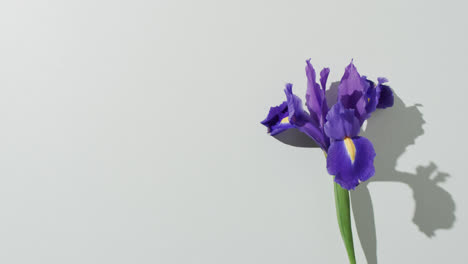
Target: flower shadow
[391,132]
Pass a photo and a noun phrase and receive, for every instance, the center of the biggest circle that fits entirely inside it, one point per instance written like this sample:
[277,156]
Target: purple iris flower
[350,157]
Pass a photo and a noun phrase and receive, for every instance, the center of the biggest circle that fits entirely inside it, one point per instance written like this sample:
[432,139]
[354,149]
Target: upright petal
[385,94]
[302,120]
[351,161]
[359,93]
[351,87]
[341,123]
[314,96]
[277,120]
[323,82]
[324,77]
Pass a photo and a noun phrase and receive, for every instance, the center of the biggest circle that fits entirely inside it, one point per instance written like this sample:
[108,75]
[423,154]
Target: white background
[129,131]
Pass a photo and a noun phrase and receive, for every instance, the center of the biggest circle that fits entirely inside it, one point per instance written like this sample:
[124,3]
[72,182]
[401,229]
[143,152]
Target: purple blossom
[350,158]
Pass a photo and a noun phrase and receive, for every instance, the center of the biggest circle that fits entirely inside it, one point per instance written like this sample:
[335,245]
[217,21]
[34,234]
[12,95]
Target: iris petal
[359,93]
[341,123]
[324,77]
[315,97]
[385,94]
[365,154]
[281,127]
[302,120]
[275,114]
[372,98]
[316,134]
[275,119]
[323,82]
[348,173]
[351,88]
[297,115]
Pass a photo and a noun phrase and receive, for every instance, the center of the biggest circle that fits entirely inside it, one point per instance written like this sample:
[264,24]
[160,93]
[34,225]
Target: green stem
[344,220]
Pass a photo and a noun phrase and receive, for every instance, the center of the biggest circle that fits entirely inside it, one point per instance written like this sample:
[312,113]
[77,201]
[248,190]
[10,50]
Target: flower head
[350,158]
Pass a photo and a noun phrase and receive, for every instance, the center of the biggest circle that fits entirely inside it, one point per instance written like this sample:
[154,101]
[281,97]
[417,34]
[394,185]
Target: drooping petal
[297,115]
[275,114]
[364,162]
[302,120]
[277,120]
[281,127]
[314,96]
[351,161]
[385,94]
[341,123]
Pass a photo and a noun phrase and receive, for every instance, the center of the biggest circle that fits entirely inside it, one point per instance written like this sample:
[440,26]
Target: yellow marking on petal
[285,120]
[350,147]
[368,99]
